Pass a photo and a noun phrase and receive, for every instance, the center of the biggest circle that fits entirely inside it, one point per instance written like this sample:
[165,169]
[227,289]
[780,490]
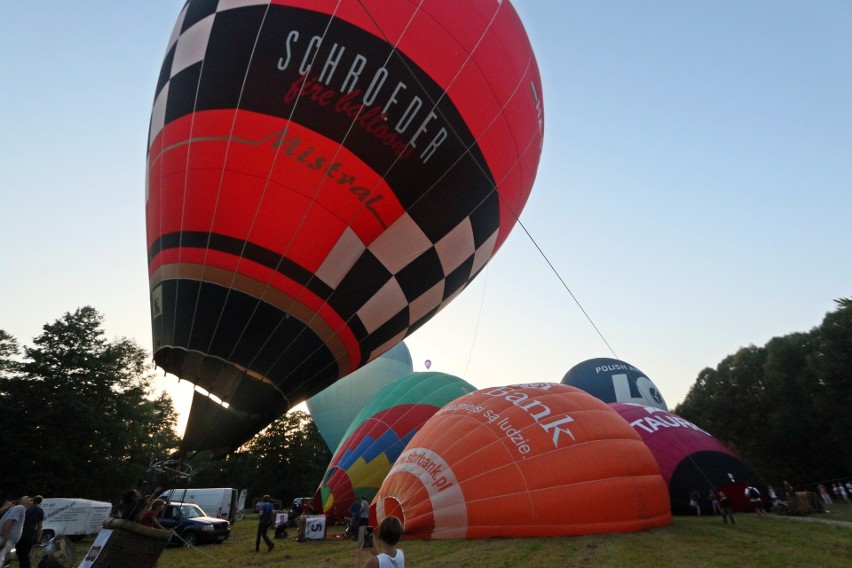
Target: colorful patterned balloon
[380,432]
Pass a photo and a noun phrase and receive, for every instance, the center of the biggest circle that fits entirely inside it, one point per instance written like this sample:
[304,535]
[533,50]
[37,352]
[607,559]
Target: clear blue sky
[695,190]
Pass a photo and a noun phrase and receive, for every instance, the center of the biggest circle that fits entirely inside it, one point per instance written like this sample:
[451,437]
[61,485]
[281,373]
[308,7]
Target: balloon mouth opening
[393,508]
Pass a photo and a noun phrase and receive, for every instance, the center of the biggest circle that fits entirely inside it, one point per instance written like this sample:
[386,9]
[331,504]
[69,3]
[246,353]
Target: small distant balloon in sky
[428,364]
[540,459]
[613,380]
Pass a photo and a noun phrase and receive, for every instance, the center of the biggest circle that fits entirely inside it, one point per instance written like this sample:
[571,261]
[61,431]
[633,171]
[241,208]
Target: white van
[219,502]
[74,518]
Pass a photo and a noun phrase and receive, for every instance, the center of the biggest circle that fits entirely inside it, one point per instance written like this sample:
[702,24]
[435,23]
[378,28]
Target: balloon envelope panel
[543,459]
[379,433]
[612,380]
[323,177]
[690,458]
[334,408]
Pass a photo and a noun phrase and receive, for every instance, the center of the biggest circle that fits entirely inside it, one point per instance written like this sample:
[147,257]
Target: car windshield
[191,511]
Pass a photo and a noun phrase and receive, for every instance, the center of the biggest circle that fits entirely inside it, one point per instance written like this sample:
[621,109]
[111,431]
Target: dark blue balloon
[612,380]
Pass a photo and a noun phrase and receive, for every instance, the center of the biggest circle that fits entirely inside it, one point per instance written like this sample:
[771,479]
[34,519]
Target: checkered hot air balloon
[323,177]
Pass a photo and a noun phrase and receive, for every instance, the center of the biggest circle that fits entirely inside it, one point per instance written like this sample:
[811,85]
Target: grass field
[688,541]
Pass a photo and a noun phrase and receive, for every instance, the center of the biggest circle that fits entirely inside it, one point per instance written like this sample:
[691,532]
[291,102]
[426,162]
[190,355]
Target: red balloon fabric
[540,459]
[323,177]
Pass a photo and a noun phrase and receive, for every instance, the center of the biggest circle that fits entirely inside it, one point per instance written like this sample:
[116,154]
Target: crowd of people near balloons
[717,503]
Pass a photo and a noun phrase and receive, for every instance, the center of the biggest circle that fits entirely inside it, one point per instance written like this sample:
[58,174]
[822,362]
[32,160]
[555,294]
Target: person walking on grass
[725,506]
[266,521]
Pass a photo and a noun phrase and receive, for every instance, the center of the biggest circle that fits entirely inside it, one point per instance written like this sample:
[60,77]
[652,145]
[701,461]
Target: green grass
[690,541]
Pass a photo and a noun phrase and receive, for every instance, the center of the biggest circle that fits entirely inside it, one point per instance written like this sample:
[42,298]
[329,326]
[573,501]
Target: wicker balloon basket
[125,544]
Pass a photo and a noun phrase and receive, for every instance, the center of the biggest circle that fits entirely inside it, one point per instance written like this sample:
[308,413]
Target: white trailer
[220,502]
[74,518]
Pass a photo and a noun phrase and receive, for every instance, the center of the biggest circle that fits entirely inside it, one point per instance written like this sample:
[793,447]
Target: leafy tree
[80,413]
[831,361]
[9,350]
[784,407]
[290,458]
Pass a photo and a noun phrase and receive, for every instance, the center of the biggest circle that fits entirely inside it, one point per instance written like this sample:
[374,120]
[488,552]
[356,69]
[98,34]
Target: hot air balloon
[540,459]
[690,459]
[612,380]
[428,364]
[324,177]
[335,407]
[380,432]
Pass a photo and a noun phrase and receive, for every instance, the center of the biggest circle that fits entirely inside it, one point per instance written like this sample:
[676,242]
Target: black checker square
[166,69]
[458,278]
[482,219]
[184,83]
[196,11]
[364,279]
[385,333]
[228,57]
[420,275]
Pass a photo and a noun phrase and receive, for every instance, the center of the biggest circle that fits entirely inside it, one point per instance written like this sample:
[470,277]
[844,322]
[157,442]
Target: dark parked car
[193,525]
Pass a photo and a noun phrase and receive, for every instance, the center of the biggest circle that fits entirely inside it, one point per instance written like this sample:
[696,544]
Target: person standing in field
[31,533]
[12,526]
[266,521]
[725,506]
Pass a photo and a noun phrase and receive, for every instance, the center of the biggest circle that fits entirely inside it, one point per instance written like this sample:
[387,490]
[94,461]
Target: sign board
[96,548]
[315,527]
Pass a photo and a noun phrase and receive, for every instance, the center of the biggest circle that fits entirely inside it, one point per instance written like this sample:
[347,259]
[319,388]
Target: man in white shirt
[11,526]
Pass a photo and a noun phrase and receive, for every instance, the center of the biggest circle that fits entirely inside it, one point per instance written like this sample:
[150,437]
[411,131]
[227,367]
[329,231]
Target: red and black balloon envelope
[690,459]
[323,177]
[380,432]
[540,459]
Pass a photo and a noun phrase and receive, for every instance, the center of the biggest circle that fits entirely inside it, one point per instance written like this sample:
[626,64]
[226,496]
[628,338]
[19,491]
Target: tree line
[80,418]
[785,407]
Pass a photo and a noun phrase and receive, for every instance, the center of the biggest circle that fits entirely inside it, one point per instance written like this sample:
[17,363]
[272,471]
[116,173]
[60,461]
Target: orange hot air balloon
[540,459]
[324,176]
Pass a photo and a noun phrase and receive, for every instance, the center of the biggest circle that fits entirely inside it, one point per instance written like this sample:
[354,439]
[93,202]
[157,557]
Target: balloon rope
[562,281]
[478,321]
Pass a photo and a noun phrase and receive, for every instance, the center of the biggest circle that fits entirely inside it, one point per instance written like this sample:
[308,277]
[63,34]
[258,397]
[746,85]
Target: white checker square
[483,253]
[400,244]
[346,252]
[192,45]
[425,303]
[385,304]
[158,113]
[178,26]
[456,247]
